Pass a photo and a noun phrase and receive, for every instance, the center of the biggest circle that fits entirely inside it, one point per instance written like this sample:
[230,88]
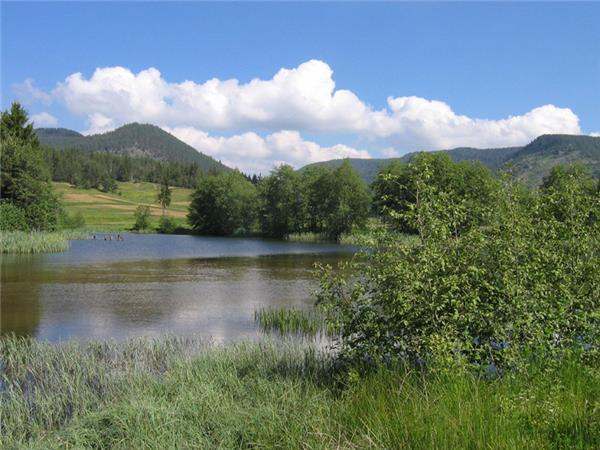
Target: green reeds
[37,241]
[290,321]
[181,393]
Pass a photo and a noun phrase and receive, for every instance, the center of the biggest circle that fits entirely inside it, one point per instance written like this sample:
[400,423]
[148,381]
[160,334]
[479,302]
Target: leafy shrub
[166,225]
[12,218]
[72,221]
[528,283]
[142,218]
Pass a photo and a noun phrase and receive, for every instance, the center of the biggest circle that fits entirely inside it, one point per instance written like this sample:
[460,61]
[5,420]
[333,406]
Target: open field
[114,211]
[180,393]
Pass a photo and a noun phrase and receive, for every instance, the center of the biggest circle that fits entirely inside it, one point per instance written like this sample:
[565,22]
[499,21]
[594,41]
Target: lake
[152,285]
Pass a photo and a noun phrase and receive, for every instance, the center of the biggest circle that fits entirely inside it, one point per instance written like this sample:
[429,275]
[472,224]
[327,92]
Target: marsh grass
[183,393]
[37,241]
[291,321]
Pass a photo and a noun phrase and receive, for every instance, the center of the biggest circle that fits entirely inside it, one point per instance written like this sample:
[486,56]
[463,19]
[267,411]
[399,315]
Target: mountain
[531,162]
[133,139]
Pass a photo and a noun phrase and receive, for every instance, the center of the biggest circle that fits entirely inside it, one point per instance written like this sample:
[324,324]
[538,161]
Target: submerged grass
[291,321]
[37,241]
[179,393]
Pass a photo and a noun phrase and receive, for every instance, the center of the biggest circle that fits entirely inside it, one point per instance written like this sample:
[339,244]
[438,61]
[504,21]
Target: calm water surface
[151,285]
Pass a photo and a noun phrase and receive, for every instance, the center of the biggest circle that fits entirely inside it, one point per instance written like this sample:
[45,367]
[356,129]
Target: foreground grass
[178,393]
[114,211]
[37,241]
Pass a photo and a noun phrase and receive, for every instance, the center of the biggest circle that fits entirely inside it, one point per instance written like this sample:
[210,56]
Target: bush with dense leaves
[166,225]
[528,283]
[12,218]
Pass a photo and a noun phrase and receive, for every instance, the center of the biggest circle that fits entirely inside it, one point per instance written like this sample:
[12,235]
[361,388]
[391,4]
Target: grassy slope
[114,211]
[179,394]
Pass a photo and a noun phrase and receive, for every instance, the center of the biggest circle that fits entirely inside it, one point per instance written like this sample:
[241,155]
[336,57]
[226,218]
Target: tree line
[318,200]
[102,170]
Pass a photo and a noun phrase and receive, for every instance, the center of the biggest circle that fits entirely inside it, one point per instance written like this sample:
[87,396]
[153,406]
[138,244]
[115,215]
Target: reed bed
[184,393]
[37,241]
[291,321]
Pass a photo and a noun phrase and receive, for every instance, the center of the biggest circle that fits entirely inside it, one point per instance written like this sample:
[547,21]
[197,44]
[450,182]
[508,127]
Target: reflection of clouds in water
[77,294]
[217,307]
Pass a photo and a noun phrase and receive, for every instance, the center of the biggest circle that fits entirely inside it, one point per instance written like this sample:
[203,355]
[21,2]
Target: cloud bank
[301,99]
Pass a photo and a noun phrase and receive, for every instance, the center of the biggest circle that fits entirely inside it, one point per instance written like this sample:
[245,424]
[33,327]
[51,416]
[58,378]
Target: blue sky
[331,79]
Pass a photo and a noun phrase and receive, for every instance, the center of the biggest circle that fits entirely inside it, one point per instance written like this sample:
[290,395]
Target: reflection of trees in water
[211,296]
[20,310]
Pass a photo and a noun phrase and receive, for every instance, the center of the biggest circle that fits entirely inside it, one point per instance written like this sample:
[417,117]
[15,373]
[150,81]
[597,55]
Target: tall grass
[179,393]
[37,241]
[290,321]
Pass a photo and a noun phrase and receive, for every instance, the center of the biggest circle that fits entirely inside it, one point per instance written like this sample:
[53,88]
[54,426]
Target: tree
[347,201]
[164,194]
[14,123]
[223,204]
[24,175]
[281,202]
[398,190]
[527,284]
[142,218]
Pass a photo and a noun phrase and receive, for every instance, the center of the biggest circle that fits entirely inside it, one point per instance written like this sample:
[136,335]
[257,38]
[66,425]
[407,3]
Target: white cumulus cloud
[44,119]
[300,99]
[250,152]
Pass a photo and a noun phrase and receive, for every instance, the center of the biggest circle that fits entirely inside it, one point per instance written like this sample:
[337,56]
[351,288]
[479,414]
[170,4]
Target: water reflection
[82,295]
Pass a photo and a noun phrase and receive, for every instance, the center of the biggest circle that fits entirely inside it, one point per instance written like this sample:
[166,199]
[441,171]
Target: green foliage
[12,218]
[24,178]
[223,204]
[142,218]
[526,283]
[72,221]
[281,202]
[334,201]
[100,170]
[164,194]
[14,125]
[166,225]
[468,186]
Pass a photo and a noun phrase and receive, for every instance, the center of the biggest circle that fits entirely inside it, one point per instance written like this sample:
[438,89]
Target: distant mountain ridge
[133,139]
[531,162]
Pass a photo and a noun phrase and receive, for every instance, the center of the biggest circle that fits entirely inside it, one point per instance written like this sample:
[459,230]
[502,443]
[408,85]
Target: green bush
[166,225]
[142,218]
[72,221]
[526,284]
[12,218]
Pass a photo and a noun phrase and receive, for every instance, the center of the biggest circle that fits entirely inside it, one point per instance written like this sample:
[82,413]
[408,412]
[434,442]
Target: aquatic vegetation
[37,241]
[154,393]
[291,321]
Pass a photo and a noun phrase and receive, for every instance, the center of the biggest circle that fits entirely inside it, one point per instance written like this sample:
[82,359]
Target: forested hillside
[133,139]
[531,162]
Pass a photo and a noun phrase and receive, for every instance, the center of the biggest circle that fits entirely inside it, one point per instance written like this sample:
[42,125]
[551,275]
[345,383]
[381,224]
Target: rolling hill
[133,139]
[531,162]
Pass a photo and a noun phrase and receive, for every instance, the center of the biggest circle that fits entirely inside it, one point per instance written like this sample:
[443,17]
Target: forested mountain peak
[531,162]
[133,139]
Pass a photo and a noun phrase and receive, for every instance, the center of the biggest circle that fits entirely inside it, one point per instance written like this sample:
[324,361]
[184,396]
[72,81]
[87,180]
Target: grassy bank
[114,211]
[178,393]
[37,241]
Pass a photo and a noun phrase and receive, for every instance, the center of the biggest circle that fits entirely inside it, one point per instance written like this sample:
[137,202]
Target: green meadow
[114,211]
